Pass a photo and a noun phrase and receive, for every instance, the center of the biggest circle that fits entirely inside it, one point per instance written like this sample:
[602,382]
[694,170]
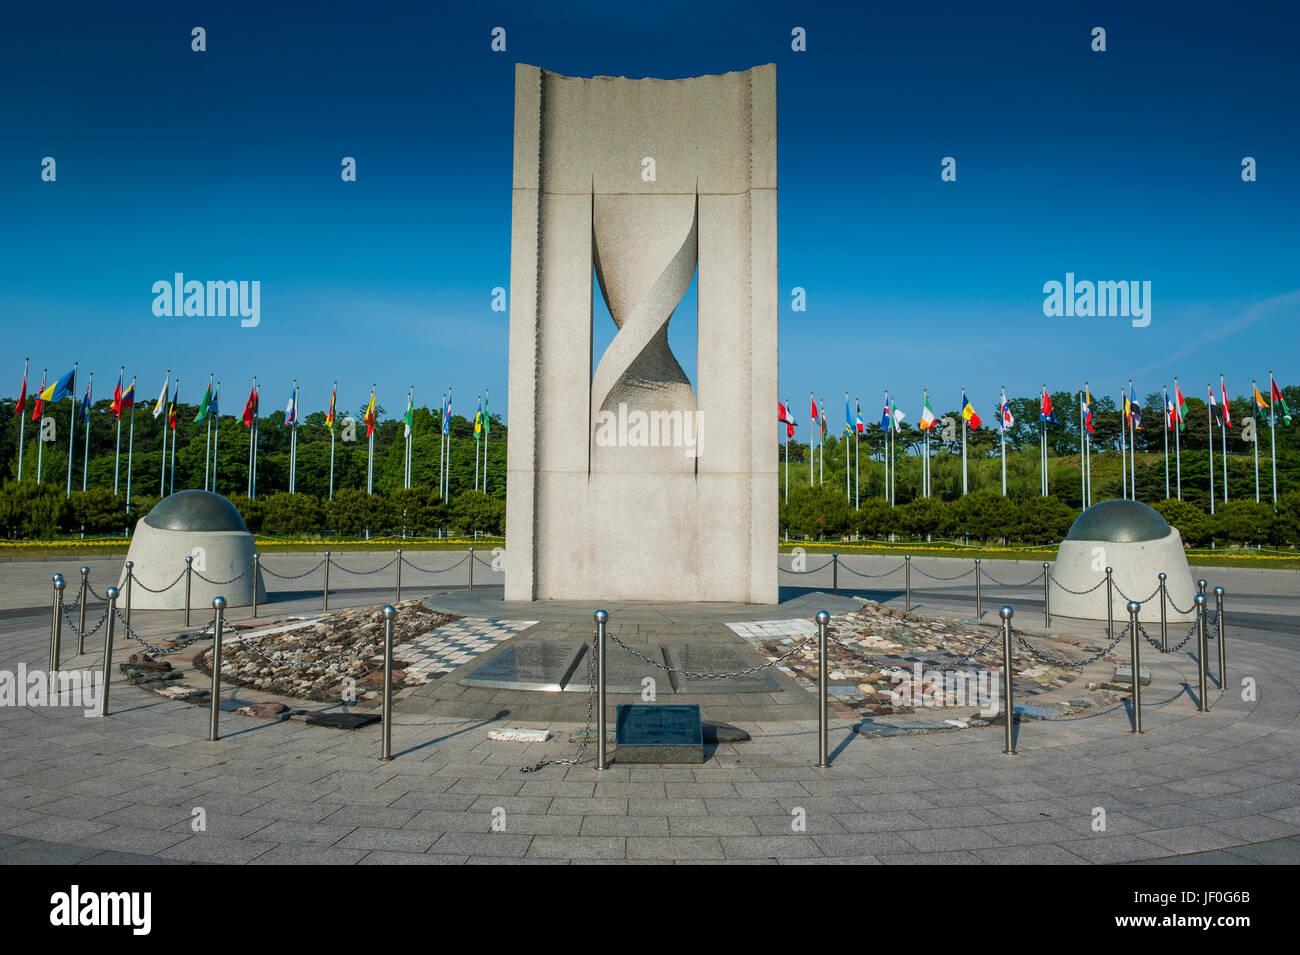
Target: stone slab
[545,667]
[718,659]
[658,733]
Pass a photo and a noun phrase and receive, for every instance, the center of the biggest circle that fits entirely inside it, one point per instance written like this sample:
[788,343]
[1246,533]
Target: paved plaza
[1219,786]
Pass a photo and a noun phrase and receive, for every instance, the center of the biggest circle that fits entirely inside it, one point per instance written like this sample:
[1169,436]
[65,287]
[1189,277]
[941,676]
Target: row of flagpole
[1131,423]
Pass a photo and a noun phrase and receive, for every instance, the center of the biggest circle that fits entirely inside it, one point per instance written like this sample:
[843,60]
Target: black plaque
[658,733]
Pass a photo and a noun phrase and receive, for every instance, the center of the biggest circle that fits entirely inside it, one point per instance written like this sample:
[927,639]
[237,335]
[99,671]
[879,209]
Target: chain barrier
[362,573]
[1179,609]
[142,584]
[1078,593]
[1128,599]
[844,566]
[306,573]
[929,664]
[102,598]
[426,571]
[159,651]
[1002,583]
[1066,664]
[935,577]
[576,758]
[811,571]
[89,633]
[1156,643]
[221,583]
[485,563]
[1212,633]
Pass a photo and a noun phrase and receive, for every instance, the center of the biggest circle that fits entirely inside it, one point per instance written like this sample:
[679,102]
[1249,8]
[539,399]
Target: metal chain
[1151,640]
[221,583]
[1213,633]
[812,571]
[165,651]
[485,563]
[141,583]
[1179,609]
[872,576]
[89,633]
[363,573]
[442,571]
[1078,593]
[1128,599]
[1002,583]
[576,758]
[1066,664]
[935,577]
[711,676]
[94,593]
[305,573]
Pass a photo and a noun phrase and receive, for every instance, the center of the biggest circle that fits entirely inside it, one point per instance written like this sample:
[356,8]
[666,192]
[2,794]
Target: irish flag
[928,420]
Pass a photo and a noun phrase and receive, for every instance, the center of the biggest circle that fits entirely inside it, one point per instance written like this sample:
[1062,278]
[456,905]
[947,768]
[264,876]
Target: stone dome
[195,511]
[1119,522]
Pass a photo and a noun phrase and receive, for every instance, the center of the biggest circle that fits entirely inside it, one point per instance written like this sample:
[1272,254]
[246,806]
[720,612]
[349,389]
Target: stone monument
[624,482]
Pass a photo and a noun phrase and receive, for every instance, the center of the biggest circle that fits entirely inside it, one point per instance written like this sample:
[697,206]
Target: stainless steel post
[56,623]
[602,617]
[1218,605]
[1201,647]
[1110,603]
[257,577]
[1135,655]
[979,597]
[130,573]
[218,604]
[1047,594]
[389,614]
[1200,586]
[1164,615]
[106,673]
[81,624]
[471,568]
[823,670]
[398,597]
[325,590]
[907,580]
[189,577]
[1008,708]
[835,572]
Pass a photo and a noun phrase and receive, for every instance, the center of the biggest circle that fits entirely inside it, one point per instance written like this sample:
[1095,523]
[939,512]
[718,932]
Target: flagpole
[333,395]
[176,410]
[117,451]
[1223,433]
[1272,431]
[1165,389]
[448,478]
[162,469]
[487,434]
[72,428]
[207,440]
[1002,428]
[252,439]
[22,420]
[964,483]
[216,437]
[90,381]
[1254,387]
[130,447]
[787,466]
[476,440]
[1083,440]
[1178,455]
[293,443]
[1209,413]
[1123,446]
[370,464]
[40,431]
[857,455]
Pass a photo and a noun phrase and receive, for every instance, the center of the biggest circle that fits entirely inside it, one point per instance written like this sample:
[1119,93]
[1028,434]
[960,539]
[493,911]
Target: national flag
[812,413]
[1008,421]
[848,417]
[1087,410]
[127,400]
[22,397]
[408,419]
[1227,409]
[898,419]
[117,398]
[1214,405]
[370,415]
[161,404]
[478,418]
[85,405]
[446,416]
[1279,402]
[783,415]
[329,415]
[38,405]
[1128,414]
[857,417]
[1171,413]
[1136,410]
[1045,412]
[291,410]
[928,420]
[250,408]
[204,405]
[885,417]
[968,412]
[1260,403]
[1180,407]
[214,407]
[171,408]
[823,421]
[61,388]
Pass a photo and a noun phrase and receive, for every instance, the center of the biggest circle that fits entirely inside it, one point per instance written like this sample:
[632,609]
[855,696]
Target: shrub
[28,509]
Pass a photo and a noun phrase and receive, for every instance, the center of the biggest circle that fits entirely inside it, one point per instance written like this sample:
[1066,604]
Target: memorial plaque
[547,667]
[719,659]
[658,733]
[624,673]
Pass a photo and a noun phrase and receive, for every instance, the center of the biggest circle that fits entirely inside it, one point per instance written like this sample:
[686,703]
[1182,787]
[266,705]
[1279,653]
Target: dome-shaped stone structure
[196,524]
[1137,544]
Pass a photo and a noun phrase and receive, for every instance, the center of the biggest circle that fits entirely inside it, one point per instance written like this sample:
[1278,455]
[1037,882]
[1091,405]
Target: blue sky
[1123,165]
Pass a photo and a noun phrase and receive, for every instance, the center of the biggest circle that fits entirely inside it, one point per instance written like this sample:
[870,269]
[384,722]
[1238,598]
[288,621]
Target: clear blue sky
[225,165]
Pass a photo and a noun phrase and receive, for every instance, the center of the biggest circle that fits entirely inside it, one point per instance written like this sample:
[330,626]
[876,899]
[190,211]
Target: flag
[61,388]
[214,408]
[1227,410]
[39,404]
[783,415]
[478,418]
[1279,402]
[898,419]
[22,397]
[1007,419]
[291,410]
[968,412]
[1045,413]
[885,418]
[1214,405]
[1127,409]
[370,414]
[1180,408]
[1135,408]
[1260,403]
[117,398]
[329,415]
[161,404]
[1171,413]
[446,416]
[408,419]
[823,421]
[250,408]
[85,405]
[203,405]
[928,420]
[171,407]
[857,416]
[1087,410]
[127,401]
[848,417]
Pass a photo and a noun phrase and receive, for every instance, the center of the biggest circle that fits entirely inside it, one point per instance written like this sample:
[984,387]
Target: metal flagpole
[293,444]
[447,478]
[821,446]
[787,466]
[117,451]
[216,435]
[963,448]
[1254,387]
[1178,455]
[1223,434]
[22,422]
[162,470]
[72,426]
[40,433]
[90,381]
[1209,414]
[848,491]
[1123,449]
[1165,411]
[1272,432]
[252,449]
[250,443]
[1002,428]
[1132,447]
[130,448]
[332,397]
[476,449]
[884,454]
[174,408]
[1083,454]
[207,441]
[487,434]
[812,445]
[370,463]
[857,456]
